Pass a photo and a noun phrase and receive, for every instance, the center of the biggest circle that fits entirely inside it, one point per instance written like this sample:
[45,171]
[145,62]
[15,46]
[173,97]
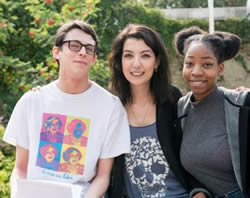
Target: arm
[20,168]
[242,88]
[101,181]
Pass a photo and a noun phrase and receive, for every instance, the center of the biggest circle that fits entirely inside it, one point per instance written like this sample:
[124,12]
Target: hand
[242,88]
[34,89]
[199,195]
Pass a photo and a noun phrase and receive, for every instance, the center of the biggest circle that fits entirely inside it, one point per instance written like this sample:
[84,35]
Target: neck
[142,111]
[141,95]
[73,86]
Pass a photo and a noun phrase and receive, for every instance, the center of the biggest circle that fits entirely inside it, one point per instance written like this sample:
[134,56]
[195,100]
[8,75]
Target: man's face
[75,65]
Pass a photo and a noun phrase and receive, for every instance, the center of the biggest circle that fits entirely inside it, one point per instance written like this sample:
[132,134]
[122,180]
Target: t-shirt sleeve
[16,132]
[117,140]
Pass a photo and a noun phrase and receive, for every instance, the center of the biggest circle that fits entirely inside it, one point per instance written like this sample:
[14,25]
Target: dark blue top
[146,172]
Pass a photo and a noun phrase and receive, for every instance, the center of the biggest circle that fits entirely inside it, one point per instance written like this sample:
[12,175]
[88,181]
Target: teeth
[197,82]
[137,73]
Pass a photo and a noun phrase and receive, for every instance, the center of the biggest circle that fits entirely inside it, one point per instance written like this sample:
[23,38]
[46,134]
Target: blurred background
[27,29]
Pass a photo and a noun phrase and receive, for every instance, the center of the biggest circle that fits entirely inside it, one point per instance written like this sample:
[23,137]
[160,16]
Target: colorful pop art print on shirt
[63,143]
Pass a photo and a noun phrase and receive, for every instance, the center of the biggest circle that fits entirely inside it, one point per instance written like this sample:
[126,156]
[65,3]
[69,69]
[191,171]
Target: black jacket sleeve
[170,137]
[244,136]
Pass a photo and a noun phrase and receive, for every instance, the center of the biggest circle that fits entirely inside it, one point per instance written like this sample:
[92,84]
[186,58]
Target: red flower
[51,22]
[48,1]
[70,8]
[31,34]
[2,25]
[37,21]
[21,86]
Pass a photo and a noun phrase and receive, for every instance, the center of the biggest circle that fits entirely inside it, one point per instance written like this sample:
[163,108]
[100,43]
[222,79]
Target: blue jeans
[233,194]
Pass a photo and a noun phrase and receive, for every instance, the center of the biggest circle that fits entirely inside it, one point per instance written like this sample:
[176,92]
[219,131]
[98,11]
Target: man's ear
[94,59]
[55,52]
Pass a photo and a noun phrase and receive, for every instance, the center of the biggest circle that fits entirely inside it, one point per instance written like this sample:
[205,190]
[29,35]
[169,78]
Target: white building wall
[202,13]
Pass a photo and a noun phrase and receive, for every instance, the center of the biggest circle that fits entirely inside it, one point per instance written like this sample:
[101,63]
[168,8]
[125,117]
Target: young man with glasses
[100,131]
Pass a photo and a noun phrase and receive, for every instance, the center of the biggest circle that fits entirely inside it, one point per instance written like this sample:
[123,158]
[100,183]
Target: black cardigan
[244,130]
[170,136]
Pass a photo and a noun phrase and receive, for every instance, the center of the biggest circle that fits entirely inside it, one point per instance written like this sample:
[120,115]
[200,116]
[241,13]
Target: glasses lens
[75,46]
[90,49]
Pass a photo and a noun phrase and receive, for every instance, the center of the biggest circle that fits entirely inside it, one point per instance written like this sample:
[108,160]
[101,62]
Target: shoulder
[183,104]
[237,97]
[174,96]
[176,93]
[107,99]
[184,99]
[103,93]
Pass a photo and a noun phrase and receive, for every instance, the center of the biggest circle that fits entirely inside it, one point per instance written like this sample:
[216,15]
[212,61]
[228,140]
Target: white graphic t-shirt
[66,134]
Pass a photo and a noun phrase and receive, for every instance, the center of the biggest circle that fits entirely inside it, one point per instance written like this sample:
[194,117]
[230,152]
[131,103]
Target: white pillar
[248,9]
[211,15]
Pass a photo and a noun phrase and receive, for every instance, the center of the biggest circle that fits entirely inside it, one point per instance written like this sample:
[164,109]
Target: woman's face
[138,62]
[200,70]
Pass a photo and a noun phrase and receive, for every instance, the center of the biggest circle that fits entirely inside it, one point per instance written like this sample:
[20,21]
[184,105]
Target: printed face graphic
[73,159]
[57,133]
[49,156]
[78,130]
[53,128]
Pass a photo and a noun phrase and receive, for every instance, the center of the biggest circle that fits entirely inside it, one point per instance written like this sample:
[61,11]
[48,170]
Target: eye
[146,55]
[158,168]
[188,64]
[138,171]
[207,65]
[75,45]
[90,48]
[127,55]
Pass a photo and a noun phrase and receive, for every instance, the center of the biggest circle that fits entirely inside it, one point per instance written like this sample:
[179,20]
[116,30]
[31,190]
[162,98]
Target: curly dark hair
[224,45]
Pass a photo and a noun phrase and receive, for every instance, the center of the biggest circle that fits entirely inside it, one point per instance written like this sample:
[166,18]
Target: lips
[197,82]
[80,62]
[137,73]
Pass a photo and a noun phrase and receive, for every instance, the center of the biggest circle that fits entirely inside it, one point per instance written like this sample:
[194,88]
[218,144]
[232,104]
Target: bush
[27,29]
[7,159]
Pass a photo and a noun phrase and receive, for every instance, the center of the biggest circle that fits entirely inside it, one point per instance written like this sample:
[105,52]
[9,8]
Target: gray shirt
[205,149]
[147,173]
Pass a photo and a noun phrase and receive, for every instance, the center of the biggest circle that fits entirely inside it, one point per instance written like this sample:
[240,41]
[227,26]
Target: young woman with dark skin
[215,120]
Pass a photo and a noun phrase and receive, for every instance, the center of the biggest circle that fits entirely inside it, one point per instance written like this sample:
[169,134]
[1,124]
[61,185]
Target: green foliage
[100,73]
[7,158]
[27,29]
[241,27]
[242,61]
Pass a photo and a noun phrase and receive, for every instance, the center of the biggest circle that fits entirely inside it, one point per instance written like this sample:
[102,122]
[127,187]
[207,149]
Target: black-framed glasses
[76,46]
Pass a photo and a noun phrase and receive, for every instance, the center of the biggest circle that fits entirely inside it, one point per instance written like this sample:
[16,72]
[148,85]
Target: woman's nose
[197,70]
[136,62]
